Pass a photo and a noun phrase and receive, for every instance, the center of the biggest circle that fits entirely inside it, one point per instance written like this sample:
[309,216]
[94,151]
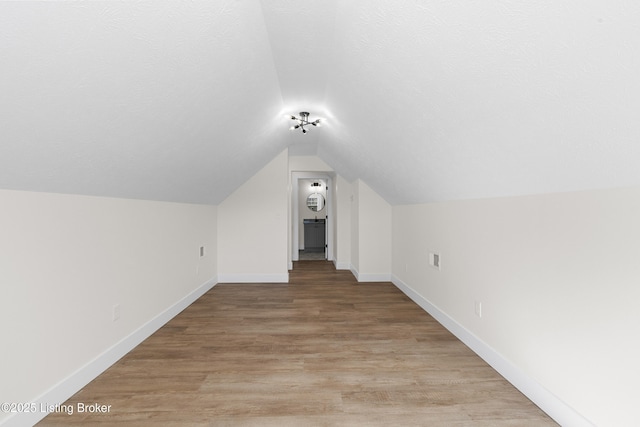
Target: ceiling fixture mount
[303,121]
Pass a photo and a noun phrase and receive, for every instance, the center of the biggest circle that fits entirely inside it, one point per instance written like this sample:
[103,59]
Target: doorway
[312,217]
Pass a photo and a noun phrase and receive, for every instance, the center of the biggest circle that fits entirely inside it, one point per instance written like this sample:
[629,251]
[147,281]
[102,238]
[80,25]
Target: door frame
[295,215]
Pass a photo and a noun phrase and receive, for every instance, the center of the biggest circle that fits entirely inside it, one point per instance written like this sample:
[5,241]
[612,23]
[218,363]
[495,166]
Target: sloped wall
[557,279]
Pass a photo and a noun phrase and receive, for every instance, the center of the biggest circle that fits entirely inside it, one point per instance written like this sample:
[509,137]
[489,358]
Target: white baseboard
[354,271]
[557,409]
[377,277]
[66,388]
[366,277]
[254,278]
[341,265]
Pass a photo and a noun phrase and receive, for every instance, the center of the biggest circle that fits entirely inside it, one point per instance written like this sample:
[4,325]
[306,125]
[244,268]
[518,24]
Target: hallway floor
[311,255]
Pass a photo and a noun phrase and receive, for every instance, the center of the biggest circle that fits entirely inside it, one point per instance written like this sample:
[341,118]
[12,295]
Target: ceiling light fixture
[303,121]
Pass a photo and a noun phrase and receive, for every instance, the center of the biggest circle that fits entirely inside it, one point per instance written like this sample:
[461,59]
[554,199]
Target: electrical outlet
[116,312]
[478,309]
[435,260]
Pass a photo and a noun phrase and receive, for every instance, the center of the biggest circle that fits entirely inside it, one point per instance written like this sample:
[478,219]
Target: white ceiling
[425,100]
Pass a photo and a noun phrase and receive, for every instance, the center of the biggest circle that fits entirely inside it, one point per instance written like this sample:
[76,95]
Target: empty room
[319,213]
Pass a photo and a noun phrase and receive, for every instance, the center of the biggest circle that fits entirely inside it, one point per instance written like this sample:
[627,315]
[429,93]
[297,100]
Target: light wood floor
[322,350]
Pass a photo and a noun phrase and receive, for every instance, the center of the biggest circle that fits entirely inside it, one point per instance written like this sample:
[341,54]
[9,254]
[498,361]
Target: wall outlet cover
[435,260]
[478,308]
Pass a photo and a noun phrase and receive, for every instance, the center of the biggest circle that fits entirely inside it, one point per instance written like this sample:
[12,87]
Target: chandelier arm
[303,121]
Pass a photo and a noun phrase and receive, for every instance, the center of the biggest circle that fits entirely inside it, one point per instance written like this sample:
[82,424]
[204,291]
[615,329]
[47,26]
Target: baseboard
[376,277]
[367,277]
[557,409]
[66,388]
[254,278]
[341,265]
[354,271]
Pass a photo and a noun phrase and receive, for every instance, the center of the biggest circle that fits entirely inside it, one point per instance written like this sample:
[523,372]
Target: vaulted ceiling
[424,100]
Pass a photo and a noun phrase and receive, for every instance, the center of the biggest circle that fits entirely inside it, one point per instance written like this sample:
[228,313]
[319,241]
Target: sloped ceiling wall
[424,100]
[153,100]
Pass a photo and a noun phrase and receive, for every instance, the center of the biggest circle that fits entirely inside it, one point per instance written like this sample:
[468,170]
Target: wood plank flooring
[322,350]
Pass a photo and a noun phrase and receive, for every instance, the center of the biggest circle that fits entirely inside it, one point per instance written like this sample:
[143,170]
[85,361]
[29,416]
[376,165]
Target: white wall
[342,207]
[66,260]
[558,279]
[371,234]
[252,227]
[308,164]
[355,228]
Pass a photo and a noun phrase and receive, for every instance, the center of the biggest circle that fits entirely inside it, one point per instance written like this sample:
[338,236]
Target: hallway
[320,350]
[311,255]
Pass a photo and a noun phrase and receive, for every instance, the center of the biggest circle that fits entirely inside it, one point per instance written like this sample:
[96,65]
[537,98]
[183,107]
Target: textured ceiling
[424,100]
[155,100]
